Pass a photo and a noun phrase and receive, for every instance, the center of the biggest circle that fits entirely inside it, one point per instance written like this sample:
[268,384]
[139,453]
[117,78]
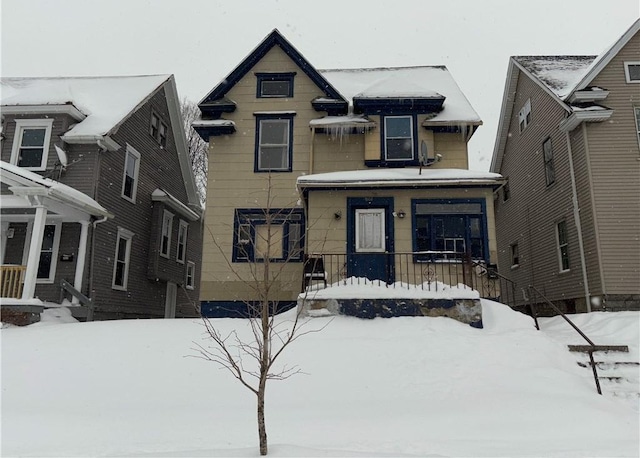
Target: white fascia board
[505,116]
[401,183]
[163,196]
[69,109]
[103,141]
[588,96]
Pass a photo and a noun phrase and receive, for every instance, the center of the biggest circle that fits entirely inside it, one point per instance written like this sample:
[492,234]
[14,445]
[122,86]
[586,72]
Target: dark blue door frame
[376,265]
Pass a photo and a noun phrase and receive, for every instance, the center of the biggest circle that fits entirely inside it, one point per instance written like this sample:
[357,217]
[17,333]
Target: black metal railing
[428,270]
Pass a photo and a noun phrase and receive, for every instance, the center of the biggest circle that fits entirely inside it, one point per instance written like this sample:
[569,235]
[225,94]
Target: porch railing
[428,270]
[12,280]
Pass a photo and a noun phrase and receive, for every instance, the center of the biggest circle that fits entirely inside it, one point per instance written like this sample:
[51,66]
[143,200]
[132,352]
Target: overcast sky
[201,41]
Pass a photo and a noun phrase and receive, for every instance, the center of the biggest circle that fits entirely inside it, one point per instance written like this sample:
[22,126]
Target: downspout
[576,217]
[93,232]
[313,136]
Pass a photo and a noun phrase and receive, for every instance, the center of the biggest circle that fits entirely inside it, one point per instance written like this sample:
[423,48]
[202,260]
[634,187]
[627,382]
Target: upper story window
[506,192]
[398,138]
[275,85]
[31,143]
[158,130]
[515,255]
[276,234]
[130,178]
[637,112]
[182,241]
[549,170]
[524,117]
[190,280]
[632,72]
[121,264]
[165,237]
[274,143]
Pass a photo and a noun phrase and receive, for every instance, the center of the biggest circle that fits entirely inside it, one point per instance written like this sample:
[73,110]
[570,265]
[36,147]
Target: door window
[370,231]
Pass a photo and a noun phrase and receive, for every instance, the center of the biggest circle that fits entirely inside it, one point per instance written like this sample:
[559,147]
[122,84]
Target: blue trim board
[275,38]
[240,309]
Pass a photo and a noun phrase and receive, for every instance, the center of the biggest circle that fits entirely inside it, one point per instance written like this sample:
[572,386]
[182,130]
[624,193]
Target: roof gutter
[103,141]
[578,117]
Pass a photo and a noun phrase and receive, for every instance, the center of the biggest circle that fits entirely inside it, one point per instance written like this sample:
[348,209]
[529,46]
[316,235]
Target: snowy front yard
[413,386]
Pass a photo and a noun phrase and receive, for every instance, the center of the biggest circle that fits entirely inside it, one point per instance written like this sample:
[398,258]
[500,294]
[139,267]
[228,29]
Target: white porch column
[4,228]
[35,247]
[82,255]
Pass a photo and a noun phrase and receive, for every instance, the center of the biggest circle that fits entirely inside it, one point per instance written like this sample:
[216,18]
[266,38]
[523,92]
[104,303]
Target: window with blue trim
[398,138]
[276,234]
[274,85]
[274,140]
[445,227]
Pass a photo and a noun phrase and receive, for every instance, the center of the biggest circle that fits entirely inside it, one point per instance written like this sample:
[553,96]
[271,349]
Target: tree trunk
[262,428]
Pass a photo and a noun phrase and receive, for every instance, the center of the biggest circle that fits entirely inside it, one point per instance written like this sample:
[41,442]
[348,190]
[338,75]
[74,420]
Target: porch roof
[18,179]
[401,177]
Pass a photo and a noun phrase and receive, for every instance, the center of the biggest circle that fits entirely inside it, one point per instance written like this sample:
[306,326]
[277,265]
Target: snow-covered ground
[412,386]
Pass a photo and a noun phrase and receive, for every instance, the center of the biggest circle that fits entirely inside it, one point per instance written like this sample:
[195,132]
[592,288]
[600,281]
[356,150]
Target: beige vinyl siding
[614,160]
[530,216]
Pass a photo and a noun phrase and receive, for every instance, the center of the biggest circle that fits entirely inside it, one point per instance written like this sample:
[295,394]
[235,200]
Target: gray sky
[201,41]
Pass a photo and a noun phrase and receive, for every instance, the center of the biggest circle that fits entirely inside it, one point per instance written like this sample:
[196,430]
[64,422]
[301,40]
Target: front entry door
[370,239]
[170,301]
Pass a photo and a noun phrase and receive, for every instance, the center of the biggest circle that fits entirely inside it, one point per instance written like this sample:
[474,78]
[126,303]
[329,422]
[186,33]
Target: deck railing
[428,270]
[11,281]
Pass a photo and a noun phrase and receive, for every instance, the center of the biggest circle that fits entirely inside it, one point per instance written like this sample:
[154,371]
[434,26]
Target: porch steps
[618,372]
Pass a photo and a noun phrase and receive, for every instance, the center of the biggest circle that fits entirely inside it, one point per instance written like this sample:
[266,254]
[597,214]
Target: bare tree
[197,147]
[252,360]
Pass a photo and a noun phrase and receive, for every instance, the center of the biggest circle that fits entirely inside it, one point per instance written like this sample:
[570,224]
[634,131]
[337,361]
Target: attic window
[632,72]
[524,117]
[158,130]
[272,85]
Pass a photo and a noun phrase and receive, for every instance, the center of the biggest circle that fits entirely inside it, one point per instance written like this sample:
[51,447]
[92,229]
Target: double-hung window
[447,229]
[31,143]
[165,235]
[274,140]
[182,241]
[130,177]
[524,116]
[158,130]
[515,255]
[48,251]
[637,112]
[190,280]
[398,138]
[563,245]
[275,234]
[549,171]
[122,257]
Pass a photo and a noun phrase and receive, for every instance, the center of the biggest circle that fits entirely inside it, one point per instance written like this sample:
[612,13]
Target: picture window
[632,72]
[276,234]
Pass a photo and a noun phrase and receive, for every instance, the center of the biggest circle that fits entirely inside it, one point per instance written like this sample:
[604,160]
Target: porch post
[82,255]
[3,239]
[35,247]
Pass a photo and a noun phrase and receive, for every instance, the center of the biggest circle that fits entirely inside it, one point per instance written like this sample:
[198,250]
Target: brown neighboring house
[97,191]
[568,219]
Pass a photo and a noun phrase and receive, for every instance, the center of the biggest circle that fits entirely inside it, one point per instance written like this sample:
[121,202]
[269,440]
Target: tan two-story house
[367,168]
[568,219]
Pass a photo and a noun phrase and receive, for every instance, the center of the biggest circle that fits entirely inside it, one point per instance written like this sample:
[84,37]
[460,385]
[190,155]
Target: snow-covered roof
[342,121]
[18,176]
[405,177]
[103,101]
[559,73]
[212,123]
[405,82]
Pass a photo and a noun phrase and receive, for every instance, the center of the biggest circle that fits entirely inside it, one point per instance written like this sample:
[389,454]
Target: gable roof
[559,76]
[99,105]
[422,82]
[275,38]
[102,103]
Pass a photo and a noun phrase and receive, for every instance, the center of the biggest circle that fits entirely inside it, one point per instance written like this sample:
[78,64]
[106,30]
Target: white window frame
[514,250]
[190,278]
[54,251]
[636,112]
[21,124]
[563,245]
[167,228]
[127,236]
[380,212]
[524,116]
[183,231]
[627,74]
[411,139]
[131,152]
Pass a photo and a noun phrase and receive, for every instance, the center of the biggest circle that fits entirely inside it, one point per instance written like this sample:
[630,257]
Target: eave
[103,141]
[588,95]
[68,109]
[398,104]
[160,195]
[333,107]
[578,117]
[213,109]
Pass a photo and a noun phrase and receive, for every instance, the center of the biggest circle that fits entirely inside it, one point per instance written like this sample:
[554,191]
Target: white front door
[170,301]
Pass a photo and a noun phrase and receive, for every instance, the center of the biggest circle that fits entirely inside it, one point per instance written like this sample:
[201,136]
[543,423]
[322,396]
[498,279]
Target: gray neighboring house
[97,190]
[568,219]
